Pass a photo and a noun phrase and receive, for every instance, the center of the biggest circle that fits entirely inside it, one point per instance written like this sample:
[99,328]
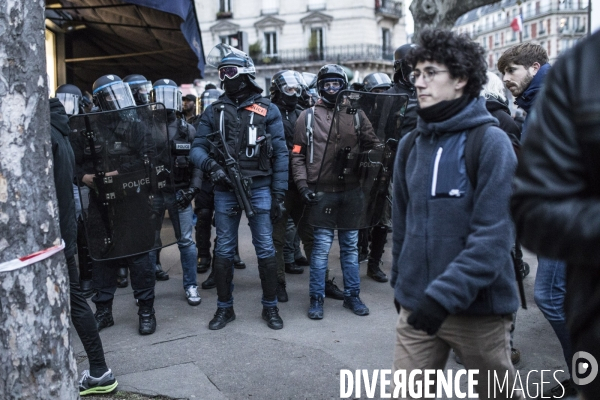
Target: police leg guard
[223,271]
[267,270]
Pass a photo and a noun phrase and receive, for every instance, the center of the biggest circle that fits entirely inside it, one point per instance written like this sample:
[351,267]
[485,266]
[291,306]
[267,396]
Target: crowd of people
[428,156]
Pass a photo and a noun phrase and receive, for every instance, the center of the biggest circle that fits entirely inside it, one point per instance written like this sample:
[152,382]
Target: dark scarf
[444,109]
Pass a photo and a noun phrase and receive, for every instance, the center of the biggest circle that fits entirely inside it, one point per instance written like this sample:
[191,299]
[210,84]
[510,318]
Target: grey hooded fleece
[452,242]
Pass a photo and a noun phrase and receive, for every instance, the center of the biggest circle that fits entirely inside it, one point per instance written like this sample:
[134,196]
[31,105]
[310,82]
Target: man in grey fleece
[452,272]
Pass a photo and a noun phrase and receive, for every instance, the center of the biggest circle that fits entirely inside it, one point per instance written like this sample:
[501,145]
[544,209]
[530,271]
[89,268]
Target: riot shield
[125,160]
[353,187]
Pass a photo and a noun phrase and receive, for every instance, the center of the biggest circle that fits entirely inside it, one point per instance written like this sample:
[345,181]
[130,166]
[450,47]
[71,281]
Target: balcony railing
[224,15]
[390,9]
[335,54]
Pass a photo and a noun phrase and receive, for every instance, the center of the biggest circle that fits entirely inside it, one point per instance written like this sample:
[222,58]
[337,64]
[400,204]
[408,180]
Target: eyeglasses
[230,72]
[428,75]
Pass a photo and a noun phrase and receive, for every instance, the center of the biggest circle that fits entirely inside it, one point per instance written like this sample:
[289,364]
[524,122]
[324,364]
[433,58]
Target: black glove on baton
[308,196]
[185,196]
[428,316]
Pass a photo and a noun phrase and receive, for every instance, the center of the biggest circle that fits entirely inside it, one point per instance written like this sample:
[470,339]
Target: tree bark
[441,14]
[36,361]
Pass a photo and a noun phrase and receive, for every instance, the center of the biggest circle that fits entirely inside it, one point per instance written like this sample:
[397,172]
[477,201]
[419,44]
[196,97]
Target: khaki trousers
[481,342]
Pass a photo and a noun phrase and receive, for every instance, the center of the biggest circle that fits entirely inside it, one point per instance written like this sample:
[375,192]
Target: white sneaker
[193,298]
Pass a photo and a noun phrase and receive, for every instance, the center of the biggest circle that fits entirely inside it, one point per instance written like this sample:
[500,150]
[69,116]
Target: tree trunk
[36,361]
[441,14]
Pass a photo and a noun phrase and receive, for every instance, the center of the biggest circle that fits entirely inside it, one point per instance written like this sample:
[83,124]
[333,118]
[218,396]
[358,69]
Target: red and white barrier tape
[31,258]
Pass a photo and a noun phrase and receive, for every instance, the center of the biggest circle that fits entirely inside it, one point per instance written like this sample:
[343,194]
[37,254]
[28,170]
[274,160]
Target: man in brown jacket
[339,196]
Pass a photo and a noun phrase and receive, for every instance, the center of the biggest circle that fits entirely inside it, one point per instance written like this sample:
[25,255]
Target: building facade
[305,34]
[554,24]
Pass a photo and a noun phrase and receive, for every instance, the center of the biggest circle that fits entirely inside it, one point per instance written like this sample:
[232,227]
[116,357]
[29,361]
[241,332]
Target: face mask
[289,102]
[234,86]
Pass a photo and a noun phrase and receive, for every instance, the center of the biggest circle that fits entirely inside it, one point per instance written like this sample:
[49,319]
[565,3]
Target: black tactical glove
[185,196]
[277,208]
[308,196]
[218,176]
[428,316]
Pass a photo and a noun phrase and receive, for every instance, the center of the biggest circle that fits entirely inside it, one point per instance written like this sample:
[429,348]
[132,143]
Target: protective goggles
[333,85]
[232,71]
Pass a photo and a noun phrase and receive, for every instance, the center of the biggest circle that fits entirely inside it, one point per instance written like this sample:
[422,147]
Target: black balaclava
[289,103]
[237,88]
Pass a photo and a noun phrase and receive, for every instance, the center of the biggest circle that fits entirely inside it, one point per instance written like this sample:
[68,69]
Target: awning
[158,39]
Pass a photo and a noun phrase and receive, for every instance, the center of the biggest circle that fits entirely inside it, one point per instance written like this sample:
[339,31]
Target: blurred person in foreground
[556,203]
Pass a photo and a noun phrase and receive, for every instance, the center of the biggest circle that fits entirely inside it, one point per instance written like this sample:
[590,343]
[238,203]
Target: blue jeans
[348,240]
[549,295]
[182,222]
[227,221]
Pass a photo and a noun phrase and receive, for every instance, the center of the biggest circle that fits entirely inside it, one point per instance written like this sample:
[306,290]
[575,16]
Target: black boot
[147,324]
[210,283]
[103,315]
[332,291]
[282,295]
[237,261]
[375,272]
[271,315]
[122,280]
[222,317]
[292,268]
[302,262]
[203,264]
[160,274]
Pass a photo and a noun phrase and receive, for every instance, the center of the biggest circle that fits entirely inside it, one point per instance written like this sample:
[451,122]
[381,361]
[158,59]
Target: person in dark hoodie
[452,271]
[524,67]
[241,120]
[99,378]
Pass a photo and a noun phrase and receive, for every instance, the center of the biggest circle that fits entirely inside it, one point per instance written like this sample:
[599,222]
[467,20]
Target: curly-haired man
[452,272]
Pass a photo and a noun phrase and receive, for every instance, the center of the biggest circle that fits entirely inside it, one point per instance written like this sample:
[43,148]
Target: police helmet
[223,56]
[111,93]
[377,82]
[70,96]
[331,80]
[401,68]
[167,92]
[208,97]
[140,88]
[288,83]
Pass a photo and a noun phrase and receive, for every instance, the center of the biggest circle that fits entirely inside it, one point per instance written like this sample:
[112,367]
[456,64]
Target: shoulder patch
[257,109]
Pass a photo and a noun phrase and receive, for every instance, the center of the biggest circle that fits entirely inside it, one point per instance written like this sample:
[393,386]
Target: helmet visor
[141,91]
[70,102]
[114,96]
[290,83]
[170,96]
[220,54]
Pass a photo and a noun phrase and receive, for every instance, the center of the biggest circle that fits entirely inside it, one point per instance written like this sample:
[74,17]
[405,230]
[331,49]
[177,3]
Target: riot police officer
[240,142]
[402,85]
[123,139]
[177,195]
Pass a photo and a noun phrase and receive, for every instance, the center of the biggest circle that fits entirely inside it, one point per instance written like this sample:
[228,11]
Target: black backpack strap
[472,150]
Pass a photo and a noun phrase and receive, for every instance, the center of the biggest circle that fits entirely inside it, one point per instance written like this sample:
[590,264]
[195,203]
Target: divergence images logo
[586,369]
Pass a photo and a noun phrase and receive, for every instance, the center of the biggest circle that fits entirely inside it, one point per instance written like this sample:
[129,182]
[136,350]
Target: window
[270,44]
[533,30]
[578,26]
[496,39]
[484,42]
[385,41]
[528,12]
[514,36]
[490,41]
[563,24]
[502,39]
[315,44]
[542,31]
[526,31]
[224,5]
[549,23]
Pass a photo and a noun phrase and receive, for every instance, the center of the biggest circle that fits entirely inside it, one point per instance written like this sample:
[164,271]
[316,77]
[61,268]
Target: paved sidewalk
[247,360]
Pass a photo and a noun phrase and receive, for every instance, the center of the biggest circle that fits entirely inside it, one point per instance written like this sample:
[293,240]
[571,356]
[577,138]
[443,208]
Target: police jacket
[306,162]
[180,137]
[266,164]
[122,143]
[289,118]
[64,164]
[452,241]
[556,203]
[410,114]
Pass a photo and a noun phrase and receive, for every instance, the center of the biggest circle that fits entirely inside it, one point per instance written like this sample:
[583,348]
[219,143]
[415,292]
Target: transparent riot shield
[355,174]
[124,159]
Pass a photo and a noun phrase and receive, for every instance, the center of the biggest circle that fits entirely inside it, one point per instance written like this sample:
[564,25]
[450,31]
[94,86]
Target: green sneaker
[90,385]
